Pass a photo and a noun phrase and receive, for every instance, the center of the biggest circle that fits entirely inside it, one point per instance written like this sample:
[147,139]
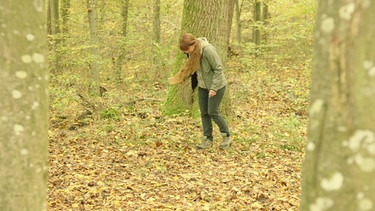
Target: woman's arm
[214,60]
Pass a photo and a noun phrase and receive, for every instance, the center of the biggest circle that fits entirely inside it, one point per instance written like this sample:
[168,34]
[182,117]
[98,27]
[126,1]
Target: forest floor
[128,156]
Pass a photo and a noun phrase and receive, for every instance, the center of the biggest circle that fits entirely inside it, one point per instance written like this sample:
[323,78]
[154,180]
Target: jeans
[209,108]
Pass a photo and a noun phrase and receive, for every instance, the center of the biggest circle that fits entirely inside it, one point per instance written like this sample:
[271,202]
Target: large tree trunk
[23,106]
[94,89]
[339,166]
[204,18]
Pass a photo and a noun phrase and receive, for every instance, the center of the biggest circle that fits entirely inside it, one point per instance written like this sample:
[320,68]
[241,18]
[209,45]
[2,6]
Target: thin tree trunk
[49,18]
[156,40]
[238,21]
[65,7]
[257,22]
[232,4]
[23,106]
[120,59]
[94,87]
[124,14]
[55,16]
[156,24]
[55,37]
[265,17]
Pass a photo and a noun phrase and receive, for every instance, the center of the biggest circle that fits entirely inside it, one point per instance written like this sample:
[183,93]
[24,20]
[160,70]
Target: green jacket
[210,74]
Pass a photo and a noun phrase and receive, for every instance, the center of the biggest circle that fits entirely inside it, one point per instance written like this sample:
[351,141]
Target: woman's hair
[193,62]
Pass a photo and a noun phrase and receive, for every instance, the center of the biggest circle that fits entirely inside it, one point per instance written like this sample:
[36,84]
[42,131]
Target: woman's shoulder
[202,39]
[209,49]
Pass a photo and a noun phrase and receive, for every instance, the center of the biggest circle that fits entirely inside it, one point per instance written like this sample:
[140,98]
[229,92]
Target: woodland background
[117,151]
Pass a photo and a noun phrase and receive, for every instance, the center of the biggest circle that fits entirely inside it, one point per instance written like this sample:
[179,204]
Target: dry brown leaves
[88,174]
[148,162]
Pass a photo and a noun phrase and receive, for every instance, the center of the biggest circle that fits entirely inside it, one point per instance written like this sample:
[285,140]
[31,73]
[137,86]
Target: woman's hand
[211,93]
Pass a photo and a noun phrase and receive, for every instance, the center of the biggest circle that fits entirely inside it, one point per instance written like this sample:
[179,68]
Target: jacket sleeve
[214,60]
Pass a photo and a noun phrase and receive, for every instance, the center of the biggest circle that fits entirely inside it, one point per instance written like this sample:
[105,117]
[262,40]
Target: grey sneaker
[205,143]
[227,141]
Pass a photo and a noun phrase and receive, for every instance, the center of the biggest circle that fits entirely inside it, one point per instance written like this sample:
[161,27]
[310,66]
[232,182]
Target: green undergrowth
[269,109]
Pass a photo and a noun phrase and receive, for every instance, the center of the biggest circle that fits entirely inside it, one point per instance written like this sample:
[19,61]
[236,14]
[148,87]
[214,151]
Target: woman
[206,62]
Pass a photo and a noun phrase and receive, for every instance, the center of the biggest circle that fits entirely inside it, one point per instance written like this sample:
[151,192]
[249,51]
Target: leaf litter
[145,161]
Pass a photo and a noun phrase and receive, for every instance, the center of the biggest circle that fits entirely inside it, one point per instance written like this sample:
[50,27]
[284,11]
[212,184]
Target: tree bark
[49,18]
[54,32]
[232,4]
[156,24]
[238,21]
[204,18]
[94,87]
[156,40]
[24,106]
[257,21]
[65,8]
[55,16]
[124,14]
[120,59]
[265,21]
[339,166]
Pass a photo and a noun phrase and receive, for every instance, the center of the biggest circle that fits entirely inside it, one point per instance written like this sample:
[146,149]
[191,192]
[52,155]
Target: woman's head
[190,45]
[187,43]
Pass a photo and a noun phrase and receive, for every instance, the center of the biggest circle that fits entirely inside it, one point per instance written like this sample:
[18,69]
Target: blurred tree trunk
[55,16]
[49,18]
[65,8]
[238,21]
[257,21]
[124,14]
[94,87]
[203,18]
[24,106]
[120,59]
[232,4]
[265,17]
[156,40]
[54,34]
[339,166]
[156,24]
